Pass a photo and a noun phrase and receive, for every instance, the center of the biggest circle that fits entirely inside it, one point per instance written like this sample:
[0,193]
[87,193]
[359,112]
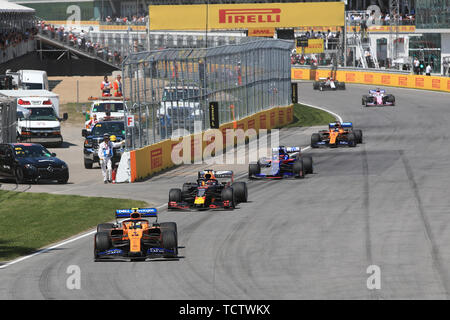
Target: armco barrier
[151,159]
[377,78]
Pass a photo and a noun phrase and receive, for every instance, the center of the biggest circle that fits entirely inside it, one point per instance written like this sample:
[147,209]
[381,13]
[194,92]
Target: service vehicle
[29,79]
[285,162]
[94,137]
[42,124]
[104,108]
[213,190]
[136,238]
[378,97]
[29,162]
[180,108]
[338,134]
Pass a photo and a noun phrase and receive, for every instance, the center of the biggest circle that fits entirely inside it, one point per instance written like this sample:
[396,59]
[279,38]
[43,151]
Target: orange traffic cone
[113,175]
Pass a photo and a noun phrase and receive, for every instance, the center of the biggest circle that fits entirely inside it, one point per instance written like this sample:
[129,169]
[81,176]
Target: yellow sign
[261,32]
[246,16]
[314,46]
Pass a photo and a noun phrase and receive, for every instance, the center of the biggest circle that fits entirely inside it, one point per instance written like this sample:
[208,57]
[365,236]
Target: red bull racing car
[213,190]
[285,162]
[136,238]
[378,97]
[337,135]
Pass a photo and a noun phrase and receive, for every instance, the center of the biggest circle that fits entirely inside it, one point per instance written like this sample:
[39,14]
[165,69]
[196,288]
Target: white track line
[89,233]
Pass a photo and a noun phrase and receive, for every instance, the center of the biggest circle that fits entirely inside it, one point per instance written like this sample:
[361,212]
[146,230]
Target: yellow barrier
[377,79]
[151,159]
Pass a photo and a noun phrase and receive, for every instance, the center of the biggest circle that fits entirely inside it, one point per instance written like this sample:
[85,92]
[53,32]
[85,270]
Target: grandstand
[17,30]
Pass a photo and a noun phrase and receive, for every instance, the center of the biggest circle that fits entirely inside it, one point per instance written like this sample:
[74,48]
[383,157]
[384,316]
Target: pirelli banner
[378,78]
[246,16]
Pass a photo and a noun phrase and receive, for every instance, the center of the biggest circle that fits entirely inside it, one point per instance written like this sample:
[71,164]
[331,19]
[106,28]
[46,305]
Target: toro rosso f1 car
[378,97]
[285,162]
[328,84]
[135,238]
[337,135]
[213,190]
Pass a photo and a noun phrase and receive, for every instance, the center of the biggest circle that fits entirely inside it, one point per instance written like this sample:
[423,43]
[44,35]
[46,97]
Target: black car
[31,162]
[95,137]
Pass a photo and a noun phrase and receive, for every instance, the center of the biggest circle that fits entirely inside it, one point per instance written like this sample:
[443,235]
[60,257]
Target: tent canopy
[9,7]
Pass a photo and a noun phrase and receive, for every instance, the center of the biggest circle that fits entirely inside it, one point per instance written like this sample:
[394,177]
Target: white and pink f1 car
[378,97]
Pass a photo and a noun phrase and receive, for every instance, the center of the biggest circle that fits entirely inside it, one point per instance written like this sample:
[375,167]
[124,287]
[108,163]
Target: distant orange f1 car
[337,134]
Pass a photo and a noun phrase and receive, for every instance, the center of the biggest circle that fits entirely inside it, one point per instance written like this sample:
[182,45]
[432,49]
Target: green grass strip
[30,221]
[305,116]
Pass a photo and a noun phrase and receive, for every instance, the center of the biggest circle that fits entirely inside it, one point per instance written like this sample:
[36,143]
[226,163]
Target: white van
[30,79]
[41,124]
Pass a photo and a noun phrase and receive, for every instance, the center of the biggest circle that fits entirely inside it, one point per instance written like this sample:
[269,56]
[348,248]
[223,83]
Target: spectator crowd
[134,20]
[384,19]
[331,41]
[81,41]
[12,38]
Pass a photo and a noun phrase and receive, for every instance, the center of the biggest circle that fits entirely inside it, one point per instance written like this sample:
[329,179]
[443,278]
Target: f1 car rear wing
[375,91]
[287,149]
[216,174]
[343,124]
[141,212]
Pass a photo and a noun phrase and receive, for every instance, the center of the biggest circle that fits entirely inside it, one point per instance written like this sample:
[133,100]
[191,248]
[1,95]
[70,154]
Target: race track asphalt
[383,203]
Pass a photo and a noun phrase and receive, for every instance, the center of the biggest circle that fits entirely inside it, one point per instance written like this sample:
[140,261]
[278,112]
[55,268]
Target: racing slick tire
[358,135]
[316,85]
[170,242]
[172,226]
[253,168]
[390,98]
[240,191]
[315,138]
[364,100]
[308,164]
[88,164]
[175,195]
[298,169]
[227,194]
[351,140]
[105,227]
[186,187]
[340,85]
[102,242]
[169,226]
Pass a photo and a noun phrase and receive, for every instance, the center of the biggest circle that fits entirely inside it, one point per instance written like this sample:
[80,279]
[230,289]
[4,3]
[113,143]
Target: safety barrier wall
[154,158]
[376,78]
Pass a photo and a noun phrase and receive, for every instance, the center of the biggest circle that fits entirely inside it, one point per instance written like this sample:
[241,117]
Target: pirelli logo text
[232,16]
[156,158]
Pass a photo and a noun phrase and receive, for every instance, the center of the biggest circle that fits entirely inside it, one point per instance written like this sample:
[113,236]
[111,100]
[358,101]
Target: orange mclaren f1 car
[136,238]
[337,135]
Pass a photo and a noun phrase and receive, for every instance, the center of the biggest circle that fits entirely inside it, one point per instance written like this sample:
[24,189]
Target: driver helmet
[337,126]
[106,136]
[283,155]
[113,138]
